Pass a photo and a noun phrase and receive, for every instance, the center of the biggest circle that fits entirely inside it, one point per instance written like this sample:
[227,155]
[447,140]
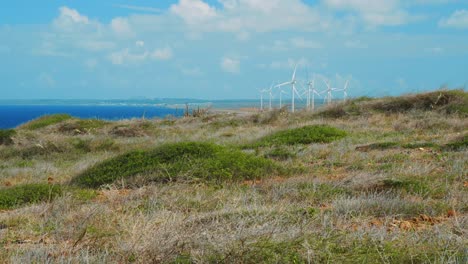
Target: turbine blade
[294,73]
[282,84]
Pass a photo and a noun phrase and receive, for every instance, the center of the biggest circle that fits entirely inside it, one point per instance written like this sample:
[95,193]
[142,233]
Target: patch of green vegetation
[82,126]
[320,193]
[269,251]
[419,145]
[12,197]
[444,101]
[302,135]
[82,195]
[378,146]
[6,136]
[412,186]
[280,153]
[190,161]
[82,145]
[458,144]
[394,145]
[46,120]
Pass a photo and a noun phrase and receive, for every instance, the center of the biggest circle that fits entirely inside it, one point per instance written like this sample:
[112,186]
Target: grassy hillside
[367,181]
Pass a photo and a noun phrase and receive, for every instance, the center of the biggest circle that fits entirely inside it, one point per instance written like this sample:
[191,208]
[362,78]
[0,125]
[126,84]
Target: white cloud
[126,57]
[374,13]
[193,11]
[121,27]
[459,19]
[230,65]
[139,43]
[69,18]
[162,54]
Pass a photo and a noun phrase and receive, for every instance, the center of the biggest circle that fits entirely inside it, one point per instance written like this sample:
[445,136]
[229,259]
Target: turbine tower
[345,91]
[329,91]
[293,88]
[311,92]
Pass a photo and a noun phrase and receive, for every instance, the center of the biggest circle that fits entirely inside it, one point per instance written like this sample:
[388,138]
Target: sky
[228,49]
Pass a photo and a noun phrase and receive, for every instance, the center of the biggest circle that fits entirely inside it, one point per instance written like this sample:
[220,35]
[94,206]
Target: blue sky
[228,49]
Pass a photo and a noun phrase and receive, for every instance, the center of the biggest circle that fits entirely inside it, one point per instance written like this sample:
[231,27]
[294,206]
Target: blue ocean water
[14,115]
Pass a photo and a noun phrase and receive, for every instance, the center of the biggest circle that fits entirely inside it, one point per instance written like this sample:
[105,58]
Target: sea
[16,112]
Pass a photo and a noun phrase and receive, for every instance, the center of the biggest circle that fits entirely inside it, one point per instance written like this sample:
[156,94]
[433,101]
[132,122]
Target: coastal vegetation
[364,181]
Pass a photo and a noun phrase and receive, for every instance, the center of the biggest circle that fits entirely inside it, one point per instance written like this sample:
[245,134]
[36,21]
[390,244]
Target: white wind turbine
[329,91]
[311,92]
[293,88]
[345,91]
[270,91]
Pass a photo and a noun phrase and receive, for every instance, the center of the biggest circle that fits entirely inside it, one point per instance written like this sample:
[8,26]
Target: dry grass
[336,205]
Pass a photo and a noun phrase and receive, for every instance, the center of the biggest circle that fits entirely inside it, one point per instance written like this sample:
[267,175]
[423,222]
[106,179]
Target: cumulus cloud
[459,19]
[125,56]
[69,18]
[193,11]
[230,65]
[121,27]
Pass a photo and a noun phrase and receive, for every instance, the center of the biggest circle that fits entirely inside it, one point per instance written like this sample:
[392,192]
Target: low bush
[127,131]
[12,197]
[6,136]
[302,135]
[45,121]
[82,126]
[280,153]
[189,161]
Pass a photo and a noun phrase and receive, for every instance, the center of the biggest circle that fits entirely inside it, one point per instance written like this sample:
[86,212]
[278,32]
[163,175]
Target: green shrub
[280,153]
[189,161]
[45,121]
[302,135]
[5,136]
[11,197]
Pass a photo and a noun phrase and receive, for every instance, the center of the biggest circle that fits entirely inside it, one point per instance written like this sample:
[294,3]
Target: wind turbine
[329,91]
[293,88]
[311,92]
[345,91]
[271,96]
